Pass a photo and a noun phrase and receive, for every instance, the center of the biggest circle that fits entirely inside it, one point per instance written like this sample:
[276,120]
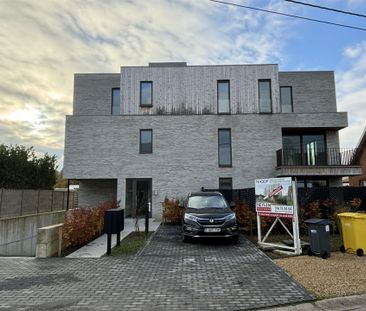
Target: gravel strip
[339,275]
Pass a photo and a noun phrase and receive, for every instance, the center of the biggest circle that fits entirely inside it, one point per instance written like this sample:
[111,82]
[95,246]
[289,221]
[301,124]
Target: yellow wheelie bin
[353,232]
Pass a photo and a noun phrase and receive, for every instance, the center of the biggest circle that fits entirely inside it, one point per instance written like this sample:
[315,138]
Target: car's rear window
[213,201]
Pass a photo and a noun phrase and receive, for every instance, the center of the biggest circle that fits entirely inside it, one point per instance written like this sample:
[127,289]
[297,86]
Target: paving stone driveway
[167,275]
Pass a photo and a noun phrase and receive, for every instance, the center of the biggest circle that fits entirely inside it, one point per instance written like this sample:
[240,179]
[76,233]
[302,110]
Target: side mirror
[232,205]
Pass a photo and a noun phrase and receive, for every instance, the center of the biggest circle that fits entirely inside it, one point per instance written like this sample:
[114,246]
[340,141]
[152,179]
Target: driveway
[166,275]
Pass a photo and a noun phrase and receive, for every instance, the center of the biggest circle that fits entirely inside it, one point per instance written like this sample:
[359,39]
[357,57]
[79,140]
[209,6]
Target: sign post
[277,198]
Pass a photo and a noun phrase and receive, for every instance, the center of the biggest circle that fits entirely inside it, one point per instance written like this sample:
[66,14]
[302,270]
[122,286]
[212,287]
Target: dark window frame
[143,152]
[226,178]
[217,96]
[152,92]
[113,89]
[218,147]
[270,96]
[292,97]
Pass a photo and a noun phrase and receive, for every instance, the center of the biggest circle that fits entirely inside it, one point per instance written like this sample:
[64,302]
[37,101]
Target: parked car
[208,214]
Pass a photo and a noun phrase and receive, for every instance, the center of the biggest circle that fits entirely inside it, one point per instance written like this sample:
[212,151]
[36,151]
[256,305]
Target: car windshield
[213,201]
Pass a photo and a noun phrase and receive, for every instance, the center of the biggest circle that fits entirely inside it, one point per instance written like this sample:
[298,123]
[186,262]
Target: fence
[15,203]
[328,197]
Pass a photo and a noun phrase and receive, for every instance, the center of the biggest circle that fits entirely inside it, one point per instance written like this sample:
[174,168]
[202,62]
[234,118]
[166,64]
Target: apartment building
[168,129]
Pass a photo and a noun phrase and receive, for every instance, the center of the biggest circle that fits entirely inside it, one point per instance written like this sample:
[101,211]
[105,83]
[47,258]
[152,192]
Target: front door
[138,196]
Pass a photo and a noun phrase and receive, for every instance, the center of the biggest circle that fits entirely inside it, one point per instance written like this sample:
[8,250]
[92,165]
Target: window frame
[270,96]
[226,178]
[113,89]
[217,96]
[152,92]
[292,98]
[218,147]
[140,132]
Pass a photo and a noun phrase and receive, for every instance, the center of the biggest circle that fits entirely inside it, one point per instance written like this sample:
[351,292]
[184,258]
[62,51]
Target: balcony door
[304,149]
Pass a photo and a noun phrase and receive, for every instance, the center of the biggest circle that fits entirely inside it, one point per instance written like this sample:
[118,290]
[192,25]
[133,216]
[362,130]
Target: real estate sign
[274,197]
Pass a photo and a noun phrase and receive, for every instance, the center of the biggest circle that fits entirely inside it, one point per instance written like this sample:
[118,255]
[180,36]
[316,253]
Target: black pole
[119,238]
[109,243]
[147,219]
[68,194]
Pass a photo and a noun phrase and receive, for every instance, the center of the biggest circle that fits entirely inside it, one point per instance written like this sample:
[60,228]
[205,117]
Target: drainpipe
[68,194]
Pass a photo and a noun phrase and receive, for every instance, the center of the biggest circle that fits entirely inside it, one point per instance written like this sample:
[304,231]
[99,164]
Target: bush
[172,213]
[245,216]
[82,225]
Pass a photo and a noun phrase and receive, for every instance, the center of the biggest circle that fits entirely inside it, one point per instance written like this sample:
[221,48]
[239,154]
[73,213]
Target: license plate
[212,229]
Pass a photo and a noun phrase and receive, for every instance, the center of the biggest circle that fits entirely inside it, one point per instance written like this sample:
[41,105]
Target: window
[146,93]
[145,141]
[286,99]
[304,149]
[265,99]
[225,147]
[226,183]
[312,183]
[223,96]
[116,99]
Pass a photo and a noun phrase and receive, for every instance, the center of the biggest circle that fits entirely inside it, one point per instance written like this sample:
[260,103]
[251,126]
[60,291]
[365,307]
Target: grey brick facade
[185,142]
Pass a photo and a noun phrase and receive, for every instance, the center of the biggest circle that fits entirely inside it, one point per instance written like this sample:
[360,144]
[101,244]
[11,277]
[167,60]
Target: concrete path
[98,247]
[354,303]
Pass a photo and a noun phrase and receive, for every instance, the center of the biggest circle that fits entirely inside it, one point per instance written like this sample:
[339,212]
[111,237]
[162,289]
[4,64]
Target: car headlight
[231,217]
[190,217]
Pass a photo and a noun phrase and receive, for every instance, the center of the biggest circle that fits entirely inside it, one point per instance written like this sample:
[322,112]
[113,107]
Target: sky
[43,43]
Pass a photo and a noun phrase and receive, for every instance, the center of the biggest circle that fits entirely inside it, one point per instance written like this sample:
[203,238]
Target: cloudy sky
[43,43]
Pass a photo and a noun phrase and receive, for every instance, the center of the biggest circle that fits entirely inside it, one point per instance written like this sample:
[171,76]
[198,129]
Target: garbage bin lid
[353,215]
[318,221]
[113,210]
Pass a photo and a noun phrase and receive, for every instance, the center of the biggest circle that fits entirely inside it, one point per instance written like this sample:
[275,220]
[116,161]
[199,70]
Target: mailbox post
[114,223]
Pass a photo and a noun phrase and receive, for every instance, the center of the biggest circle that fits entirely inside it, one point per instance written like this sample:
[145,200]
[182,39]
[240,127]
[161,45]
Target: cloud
[351,89]
[43,43]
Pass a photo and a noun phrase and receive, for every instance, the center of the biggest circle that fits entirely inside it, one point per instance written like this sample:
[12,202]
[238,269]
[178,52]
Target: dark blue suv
[207,214]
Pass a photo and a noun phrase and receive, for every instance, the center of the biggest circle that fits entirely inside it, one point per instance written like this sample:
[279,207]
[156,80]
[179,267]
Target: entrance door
[138,196]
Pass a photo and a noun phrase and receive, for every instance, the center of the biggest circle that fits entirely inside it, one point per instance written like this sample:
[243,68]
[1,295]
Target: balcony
[311,162]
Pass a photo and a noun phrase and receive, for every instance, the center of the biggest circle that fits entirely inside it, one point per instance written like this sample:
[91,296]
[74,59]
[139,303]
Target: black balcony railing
[311,157]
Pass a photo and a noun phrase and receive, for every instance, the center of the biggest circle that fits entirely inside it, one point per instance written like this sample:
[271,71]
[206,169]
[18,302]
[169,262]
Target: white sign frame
[295,234]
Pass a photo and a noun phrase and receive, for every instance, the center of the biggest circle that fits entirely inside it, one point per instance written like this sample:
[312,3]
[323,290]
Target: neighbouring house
[167,129]
[360,159]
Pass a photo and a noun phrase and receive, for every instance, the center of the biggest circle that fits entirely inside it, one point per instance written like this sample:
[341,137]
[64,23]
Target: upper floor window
[146,141]
[225,147]
[116,100]
[286,99]
[223,96]
[265,98]
[146,93]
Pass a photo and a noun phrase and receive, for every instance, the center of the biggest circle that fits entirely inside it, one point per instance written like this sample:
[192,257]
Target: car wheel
[310,253]
[359,252]
[235,239]
[186,239]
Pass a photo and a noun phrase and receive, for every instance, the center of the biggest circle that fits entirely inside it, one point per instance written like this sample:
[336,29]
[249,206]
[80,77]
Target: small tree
[20,168]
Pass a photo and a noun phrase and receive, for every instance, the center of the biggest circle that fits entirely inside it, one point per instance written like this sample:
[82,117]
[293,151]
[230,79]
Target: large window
[304,149]
[286,99]
[265,98]
[225,183]
[223,96]
[146,141]
[224,147]
[116,100]
[146,93]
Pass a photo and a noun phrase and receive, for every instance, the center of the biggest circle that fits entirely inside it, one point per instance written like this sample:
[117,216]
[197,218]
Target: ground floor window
[225,183]
[312,183]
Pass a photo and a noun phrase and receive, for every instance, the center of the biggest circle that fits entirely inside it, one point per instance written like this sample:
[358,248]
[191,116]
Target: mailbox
[114,221]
